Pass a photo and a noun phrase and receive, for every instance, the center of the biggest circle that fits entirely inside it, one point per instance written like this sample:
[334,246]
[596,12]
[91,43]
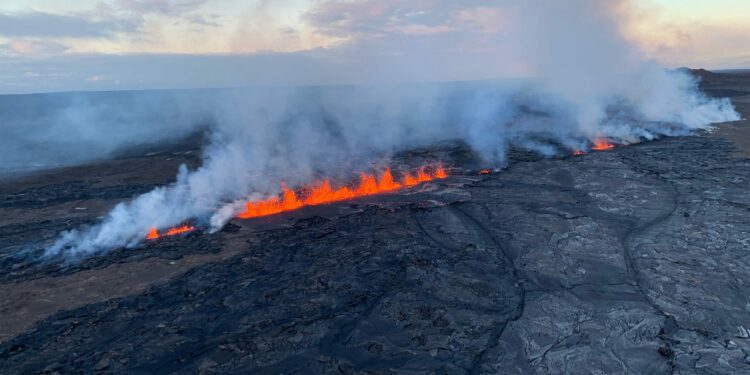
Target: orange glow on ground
[601,144]
[154,234]
[323,192]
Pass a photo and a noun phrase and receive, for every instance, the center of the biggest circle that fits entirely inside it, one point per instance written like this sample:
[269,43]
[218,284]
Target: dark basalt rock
[601,270]
[72,191]
[634,260]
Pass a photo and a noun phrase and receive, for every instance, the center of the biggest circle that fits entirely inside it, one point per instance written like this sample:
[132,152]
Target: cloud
[483,19]
[262,28]
[373,18]
[73,72]
[203,20]
[704,45]
[324,41]
[420,40]
[116,23]
[32,47]
[413,42]
[40,24]
[689,36]
[164,7]
[184,11]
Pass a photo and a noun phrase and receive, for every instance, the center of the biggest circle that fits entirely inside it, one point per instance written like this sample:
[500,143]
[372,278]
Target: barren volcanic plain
[630,260]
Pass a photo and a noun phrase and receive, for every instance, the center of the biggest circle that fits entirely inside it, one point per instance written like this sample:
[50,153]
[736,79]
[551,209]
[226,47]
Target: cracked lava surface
[630,260]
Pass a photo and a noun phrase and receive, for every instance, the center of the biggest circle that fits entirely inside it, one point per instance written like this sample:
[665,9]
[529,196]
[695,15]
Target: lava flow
[154,234]
[601,145]
[322,192]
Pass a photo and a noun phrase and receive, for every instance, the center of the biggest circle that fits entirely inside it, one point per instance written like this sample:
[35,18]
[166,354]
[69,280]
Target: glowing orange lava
[578,152]
[154,234]
[322,192]
[601,144]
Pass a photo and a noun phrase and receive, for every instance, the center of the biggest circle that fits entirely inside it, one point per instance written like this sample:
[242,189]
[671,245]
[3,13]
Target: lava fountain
[323,192]
[601,144]
[154,234]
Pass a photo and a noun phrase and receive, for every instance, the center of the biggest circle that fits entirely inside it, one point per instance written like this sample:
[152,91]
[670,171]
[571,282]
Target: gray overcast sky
[48,45]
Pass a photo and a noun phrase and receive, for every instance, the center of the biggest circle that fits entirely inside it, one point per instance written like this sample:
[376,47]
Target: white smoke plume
[586,81]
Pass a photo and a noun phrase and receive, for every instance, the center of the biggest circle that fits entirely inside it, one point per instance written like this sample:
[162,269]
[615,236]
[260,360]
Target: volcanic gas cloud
[583,83]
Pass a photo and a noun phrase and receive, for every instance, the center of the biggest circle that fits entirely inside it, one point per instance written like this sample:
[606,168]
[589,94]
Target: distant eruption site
[256,137]
[584,87]
[322,192]
[212,195]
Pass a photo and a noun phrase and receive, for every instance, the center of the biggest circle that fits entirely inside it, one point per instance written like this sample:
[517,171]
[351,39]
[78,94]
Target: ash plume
[585,81]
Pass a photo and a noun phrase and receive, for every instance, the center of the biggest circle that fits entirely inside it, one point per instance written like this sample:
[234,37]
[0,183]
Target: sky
[50,45]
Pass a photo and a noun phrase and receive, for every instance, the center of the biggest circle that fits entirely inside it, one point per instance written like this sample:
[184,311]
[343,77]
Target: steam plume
[587,82]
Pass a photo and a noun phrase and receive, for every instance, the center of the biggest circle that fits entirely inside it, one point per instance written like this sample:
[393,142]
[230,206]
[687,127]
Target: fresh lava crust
[322,192]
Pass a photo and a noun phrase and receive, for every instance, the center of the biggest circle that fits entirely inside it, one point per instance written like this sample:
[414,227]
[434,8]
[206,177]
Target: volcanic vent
[320,193]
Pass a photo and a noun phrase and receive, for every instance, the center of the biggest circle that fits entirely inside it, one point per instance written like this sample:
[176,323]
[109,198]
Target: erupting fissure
[154,234]
[322,192]
[600,144]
